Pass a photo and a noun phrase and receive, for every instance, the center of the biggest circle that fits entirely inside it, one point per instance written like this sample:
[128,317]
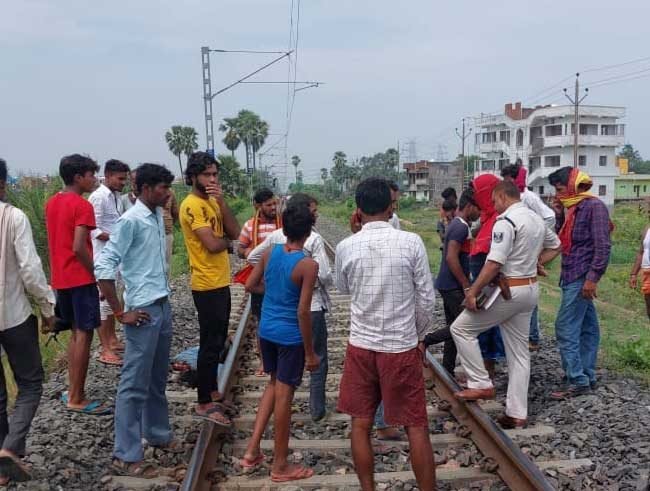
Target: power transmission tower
[412,151]
[442,153]
[576,127]
[463,136]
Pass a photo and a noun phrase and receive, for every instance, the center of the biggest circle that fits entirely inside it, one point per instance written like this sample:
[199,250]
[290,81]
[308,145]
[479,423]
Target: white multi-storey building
[542,137]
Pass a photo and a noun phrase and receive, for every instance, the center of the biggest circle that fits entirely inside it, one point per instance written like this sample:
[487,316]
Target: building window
[602,190]
[554,130]
[503,163]
[490,137]
[609,129]
[541,190]
[520,138]
[645,188]
[589,129]
[534,163]
[552,161]
[504,136]
[582,160]
[487,165]
[602,160]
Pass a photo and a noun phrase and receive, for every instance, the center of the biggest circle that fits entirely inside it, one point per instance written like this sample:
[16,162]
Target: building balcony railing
[494,147]
[591,140]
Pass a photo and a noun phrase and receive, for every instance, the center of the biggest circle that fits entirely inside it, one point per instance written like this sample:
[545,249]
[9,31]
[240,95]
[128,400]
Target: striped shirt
[386,272]
[264,230]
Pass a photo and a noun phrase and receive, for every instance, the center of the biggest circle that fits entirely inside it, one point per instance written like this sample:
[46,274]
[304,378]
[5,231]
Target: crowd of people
[110,259]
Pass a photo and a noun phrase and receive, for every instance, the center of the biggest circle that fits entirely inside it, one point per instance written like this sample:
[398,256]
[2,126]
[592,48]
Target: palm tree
[323,174]
[232,139]
[175,142]
[295,161]
[190,143]
[258,138]
[247,125]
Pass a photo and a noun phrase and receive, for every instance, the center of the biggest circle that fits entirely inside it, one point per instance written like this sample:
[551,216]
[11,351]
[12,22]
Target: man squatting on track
[520,244]
[386,272]
[285,337]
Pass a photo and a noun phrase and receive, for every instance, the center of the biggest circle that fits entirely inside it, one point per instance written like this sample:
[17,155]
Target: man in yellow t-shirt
[208,224]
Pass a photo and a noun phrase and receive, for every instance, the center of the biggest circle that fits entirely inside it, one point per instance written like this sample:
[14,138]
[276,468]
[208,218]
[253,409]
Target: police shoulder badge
[497,237]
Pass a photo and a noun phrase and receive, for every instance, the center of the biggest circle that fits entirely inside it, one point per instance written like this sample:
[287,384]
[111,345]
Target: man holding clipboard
[521,244]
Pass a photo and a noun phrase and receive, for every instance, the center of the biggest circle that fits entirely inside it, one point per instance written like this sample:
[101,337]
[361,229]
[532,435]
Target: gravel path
[69,451]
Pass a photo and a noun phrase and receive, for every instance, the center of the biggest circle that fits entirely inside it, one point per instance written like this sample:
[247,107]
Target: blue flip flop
[93,408]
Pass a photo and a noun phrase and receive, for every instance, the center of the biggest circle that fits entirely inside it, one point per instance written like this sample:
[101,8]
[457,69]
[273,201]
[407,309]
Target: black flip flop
[13,469]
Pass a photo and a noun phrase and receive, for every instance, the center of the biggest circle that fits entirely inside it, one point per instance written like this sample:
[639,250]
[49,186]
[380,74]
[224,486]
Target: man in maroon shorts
[386,272]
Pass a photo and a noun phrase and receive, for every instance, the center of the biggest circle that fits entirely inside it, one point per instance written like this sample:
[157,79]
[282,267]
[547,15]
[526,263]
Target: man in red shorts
[386,272]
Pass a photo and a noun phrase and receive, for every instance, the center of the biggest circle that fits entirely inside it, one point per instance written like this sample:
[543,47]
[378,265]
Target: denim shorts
[287,362]
[79,307]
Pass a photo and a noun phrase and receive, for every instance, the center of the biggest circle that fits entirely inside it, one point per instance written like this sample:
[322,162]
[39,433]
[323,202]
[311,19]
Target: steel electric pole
[576,118]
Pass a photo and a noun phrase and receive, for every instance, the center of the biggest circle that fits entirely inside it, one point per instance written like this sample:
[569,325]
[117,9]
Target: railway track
[470,447]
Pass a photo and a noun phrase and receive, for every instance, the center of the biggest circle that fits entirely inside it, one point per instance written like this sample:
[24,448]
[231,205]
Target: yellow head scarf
[572,197]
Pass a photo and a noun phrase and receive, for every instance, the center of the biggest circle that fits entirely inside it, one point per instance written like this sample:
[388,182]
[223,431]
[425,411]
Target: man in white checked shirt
[386,272]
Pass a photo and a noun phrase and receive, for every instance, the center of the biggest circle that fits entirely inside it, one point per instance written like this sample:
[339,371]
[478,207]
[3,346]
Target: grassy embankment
[625,329]
[32,202]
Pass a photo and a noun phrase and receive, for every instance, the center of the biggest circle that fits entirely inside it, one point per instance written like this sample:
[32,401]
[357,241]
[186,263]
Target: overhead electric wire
[616,77]
[609,67]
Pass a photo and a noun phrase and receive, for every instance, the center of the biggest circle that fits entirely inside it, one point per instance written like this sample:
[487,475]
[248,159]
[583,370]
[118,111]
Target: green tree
[231,139]
[231,176]
[631,154]
[176,143]
[295,161]
[190,141]
[252,131]
[259,138]
[324,174]
[339,171]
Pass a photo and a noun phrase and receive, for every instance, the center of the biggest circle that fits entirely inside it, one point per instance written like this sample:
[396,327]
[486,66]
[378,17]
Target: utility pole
[463,136]
[576,126]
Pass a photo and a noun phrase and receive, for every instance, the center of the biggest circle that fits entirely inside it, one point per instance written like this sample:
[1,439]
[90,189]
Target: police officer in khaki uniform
[520,244]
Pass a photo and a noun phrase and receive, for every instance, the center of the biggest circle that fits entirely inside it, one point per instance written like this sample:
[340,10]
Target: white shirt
[535,203]
[394,222]
[386,271]
[645,261]
[313,248]
[23,274]
[518,247]
[108,207]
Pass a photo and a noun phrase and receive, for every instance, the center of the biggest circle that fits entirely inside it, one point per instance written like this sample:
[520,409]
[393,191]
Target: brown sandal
[216,415]
[145,470]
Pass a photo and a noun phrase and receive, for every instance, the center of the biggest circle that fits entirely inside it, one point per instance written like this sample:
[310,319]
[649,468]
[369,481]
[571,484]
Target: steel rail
[209,442]
[516,469]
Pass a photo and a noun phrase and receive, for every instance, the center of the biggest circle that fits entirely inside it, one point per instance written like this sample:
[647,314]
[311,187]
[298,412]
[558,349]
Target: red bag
[242,275]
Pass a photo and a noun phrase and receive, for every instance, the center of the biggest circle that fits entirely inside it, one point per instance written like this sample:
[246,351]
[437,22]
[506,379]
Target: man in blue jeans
[137,247]
[584,228]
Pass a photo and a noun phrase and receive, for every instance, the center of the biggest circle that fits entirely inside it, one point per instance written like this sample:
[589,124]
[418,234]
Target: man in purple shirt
[584,228]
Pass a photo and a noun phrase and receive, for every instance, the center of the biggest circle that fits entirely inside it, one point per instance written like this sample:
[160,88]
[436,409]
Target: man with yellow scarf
[584,228]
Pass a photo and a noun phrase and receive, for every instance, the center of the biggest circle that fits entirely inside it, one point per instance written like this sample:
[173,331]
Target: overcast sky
[109,78]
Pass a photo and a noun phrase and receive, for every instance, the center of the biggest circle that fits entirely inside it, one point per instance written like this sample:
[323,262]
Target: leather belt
[521,281]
